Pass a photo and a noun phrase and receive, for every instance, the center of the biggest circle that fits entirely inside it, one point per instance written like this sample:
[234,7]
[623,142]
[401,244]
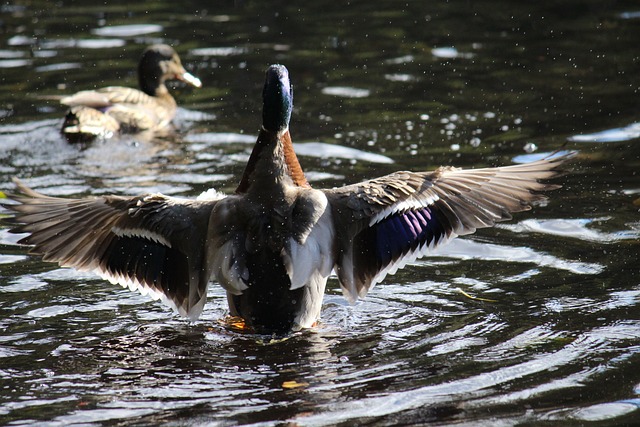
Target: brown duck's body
[115,109]
[273,244]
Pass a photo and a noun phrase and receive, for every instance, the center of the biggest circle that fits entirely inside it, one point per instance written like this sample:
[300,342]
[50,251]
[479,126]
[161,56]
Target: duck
[116,109]
[274,242]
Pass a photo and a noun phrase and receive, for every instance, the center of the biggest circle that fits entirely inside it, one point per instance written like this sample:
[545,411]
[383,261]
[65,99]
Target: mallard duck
[273,244]
[107,111]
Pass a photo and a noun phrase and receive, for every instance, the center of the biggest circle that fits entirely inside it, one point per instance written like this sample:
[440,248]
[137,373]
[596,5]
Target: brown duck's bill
[189,78]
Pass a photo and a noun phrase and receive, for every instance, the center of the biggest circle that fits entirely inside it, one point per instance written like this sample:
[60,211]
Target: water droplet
[530,147]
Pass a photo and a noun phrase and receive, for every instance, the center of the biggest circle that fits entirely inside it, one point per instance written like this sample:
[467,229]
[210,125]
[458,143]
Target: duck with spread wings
[273,244]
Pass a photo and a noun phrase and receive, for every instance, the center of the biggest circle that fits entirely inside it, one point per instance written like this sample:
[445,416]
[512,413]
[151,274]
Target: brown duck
[110,110]
[273,244]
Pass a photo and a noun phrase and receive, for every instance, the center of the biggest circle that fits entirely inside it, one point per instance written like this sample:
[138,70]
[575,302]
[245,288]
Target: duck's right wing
[153,243]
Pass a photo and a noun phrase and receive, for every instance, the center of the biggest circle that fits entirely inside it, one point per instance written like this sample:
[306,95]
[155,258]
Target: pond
[535,321]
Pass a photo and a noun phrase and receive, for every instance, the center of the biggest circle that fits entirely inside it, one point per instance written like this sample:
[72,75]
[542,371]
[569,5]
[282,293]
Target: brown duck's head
[160,63]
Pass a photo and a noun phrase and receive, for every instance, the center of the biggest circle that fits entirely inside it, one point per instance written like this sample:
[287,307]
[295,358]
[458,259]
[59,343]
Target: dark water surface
[551,331]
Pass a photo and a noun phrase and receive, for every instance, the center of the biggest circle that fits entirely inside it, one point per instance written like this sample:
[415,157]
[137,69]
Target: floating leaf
[293,384]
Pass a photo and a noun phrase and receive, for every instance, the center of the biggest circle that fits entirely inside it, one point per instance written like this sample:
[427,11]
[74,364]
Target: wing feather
[152,243]
[386,222]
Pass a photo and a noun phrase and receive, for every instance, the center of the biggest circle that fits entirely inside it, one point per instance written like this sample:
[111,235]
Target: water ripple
[626,133]
[476,389]
[218,51]
[469,249]
[346,92]
[127,30]
[322,150]
[574,228]
[212,138]
[450,53]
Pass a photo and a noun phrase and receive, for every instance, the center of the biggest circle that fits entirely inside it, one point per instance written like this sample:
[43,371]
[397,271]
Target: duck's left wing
[384,223]
[153,243]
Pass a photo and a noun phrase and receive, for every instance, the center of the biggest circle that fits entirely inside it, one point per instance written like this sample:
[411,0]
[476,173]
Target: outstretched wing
[384,223]
[153,243]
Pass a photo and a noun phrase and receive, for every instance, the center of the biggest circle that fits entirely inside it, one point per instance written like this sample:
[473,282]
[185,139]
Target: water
[534,322]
